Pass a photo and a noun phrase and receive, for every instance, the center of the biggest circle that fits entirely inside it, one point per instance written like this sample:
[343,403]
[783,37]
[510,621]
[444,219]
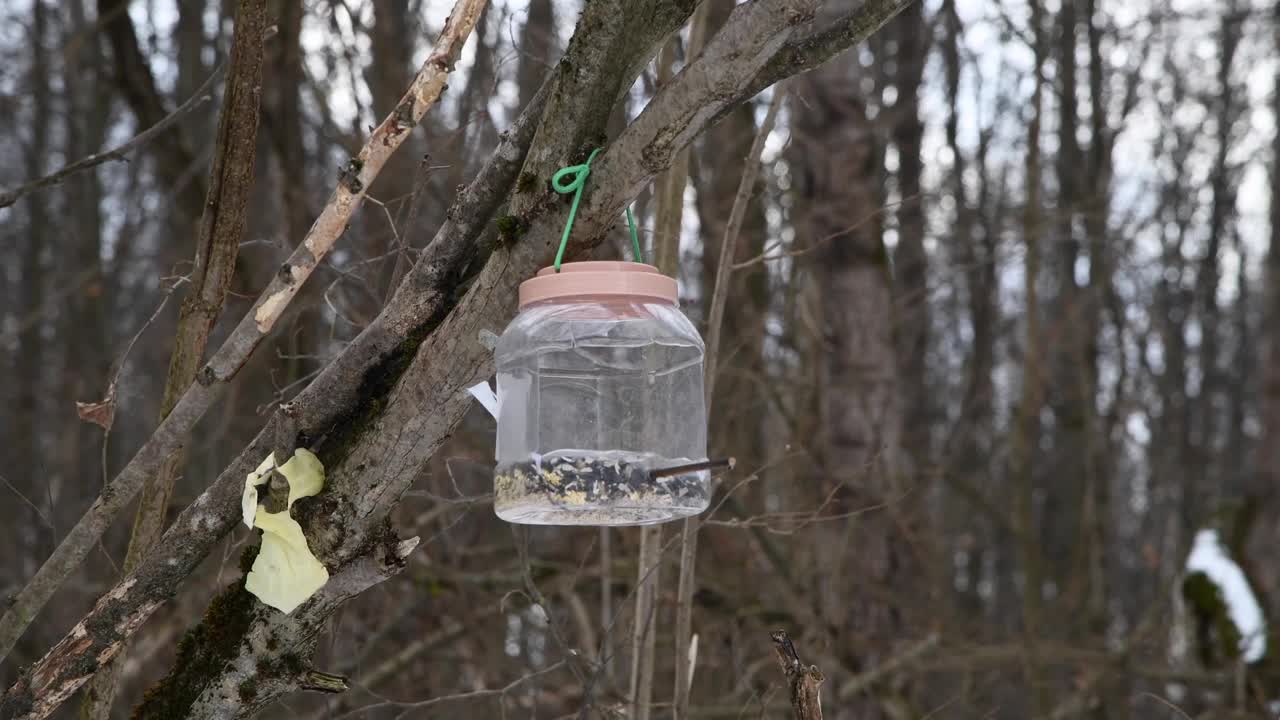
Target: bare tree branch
[858,683]
[804,682]
[320,406]
[644,630]
[808,52]
[196,101]
[385,449]
[172,433]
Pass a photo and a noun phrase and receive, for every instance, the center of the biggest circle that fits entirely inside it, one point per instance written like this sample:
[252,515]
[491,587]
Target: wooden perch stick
[721,463]
[804,683]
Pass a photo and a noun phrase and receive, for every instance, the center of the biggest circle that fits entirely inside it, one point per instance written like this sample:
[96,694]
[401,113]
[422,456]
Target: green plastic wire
[580,173]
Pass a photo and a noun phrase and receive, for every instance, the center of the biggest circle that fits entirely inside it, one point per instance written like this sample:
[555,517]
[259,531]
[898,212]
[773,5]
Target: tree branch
[374,466]
[804,683]
[644,631]
[804,54]
[172,433]
[267,657]
[322,406]
[911,653]
[196,101]
[669,189]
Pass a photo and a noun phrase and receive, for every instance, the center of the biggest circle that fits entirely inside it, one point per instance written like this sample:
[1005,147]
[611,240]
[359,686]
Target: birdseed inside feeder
[600,401]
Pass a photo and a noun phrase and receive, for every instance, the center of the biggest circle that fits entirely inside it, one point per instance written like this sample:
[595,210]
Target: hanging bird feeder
[601,418]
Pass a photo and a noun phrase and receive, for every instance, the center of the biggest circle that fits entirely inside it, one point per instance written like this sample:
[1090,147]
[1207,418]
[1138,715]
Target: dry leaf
[100,413]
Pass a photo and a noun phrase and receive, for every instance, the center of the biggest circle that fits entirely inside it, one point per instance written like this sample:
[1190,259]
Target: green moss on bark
[510,229]
[202,653]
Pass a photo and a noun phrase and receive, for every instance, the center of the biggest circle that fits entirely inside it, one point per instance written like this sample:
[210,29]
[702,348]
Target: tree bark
[538,48]
[29,362]
[804,683]
[1208,426]
[282,114]
[715,332]
[668,221]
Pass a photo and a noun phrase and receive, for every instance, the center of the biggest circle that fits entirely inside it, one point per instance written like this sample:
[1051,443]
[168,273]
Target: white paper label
[486,397]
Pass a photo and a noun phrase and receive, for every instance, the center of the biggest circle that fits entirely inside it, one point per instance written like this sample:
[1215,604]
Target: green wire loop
[579,175]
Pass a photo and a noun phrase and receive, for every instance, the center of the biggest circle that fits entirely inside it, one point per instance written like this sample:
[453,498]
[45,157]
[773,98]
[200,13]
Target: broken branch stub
[804,683]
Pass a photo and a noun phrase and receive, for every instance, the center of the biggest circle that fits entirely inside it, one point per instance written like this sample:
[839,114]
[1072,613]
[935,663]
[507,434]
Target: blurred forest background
[996,349]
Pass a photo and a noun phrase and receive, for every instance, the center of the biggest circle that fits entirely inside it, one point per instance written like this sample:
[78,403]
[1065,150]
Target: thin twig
[408,222]
[197,99]
[473,695]
[766,256]
[715,324]
[1162,701]
[858,683]
[644,634]
[39,513]
[669,186]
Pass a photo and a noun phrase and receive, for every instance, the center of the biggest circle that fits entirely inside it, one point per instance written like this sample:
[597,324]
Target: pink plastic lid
[618,280]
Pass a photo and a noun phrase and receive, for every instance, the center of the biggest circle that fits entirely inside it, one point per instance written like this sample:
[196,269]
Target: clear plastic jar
[599,392]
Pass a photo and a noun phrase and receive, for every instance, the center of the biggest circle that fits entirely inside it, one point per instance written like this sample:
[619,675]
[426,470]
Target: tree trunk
[282,115]
[538,49]
[1208,424]
[910,262]
[24,443]
[1026,440]
[172,150]
[861,411]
